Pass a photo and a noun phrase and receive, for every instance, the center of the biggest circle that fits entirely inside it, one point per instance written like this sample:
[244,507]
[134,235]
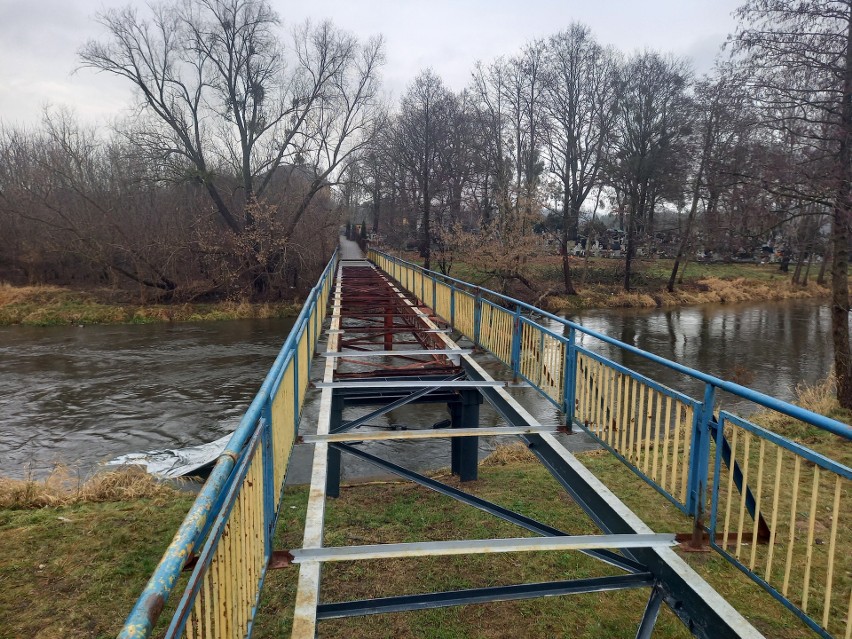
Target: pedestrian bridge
[396,334]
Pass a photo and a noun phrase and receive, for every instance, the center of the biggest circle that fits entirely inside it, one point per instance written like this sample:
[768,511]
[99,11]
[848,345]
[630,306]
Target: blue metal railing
[233,518]
[668,438]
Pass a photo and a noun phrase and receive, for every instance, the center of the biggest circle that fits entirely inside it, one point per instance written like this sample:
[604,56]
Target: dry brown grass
[16,294]
[709,290]
[62,488]
[820,398]
[507,454]
[53,305]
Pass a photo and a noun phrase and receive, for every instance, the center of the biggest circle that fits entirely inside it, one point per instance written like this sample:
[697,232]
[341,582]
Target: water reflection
[769,347]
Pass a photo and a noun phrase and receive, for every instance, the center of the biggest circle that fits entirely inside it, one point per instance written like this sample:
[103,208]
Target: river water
[81,396]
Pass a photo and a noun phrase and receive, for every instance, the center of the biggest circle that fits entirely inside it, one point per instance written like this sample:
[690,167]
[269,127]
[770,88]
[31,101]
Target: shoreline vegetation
[46,305]
[74,555]
[599,283]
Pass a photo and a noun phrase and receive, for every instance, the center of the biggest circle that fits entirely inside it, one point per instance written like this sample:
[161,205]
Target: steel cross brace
[684,592]
[607,556]
[427,601]
[402,401]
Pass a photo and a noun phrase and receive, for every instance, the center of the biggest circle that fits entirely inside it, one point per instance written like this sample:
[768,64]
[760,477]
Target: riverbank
[698,290]
[599,283]
[58,306]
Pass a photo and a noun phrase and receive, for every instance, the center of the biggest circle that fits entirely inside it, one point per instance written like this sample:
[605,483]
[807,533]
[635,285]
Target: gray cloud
[39,40]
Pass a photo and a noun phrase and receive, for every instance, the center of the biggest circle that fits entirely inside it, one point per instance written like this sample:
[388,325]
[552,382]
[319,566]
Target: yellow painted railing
[648,425]
[778,511]
[227,535]
[798,544]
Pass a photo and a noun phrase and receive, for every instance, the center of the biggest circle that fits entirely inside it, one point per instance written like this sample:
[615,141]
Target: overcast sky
[39,40]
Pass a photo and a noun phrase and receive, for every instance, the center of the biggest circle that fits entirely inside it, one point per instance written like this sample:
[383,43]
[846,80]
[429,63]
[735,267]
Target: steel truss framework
[373,318]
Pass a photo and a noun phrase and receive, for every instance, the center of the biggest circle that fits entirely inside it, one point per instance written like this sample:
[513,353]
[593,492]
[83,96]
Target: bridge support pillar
[332,480]
[388,341]
[465,450]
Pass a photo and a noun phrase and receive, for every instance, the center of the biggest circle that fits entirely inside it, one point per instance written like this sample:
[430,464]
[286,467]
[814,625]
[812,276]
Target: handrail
[668,438]
[145,613]
[797,412]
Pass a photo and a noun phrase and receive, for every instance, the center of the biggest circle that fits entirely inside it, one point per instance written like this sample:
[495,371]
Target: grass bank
[56,306]
[74,556]
[599,283]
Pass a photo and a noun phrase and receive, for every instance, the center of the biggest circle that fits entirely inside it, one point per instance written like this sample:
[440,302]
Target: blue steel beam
[406,603]
[607,556]
[683,595]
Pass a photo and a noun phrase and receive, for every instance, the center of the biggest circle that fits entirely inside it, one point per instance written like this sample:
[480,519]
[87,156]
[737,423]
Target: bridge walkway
[764,502]
[386,350]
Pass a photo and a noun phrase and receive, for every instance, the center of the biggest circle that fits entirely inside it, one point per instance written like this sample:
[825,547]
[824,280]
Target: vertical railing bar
[809,549]
[218,590]
[623,410]
[599,398]
[832,545]
[774,519]
[640,423]
[676,456]
[795,498]
[665,457]
[208,603]
[652,393]
[758,504]
[743,491]
[658,448]
[848,634]
[688,422]
[730,495]
[631,419]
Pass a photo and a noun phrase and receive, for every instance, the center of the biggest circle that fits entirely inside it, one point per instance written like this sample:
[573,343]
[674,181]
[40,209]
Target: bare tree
[580,92]
[491,117]
[421,137]
[799,56]
[722,125]
[652,125]
[221,95]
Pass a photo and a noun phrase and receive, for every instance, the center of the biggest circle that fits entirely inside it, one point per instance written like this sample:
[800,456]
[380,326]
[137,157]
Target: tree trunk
[797,272]
[635,207]
[684,241]
[683,268]
[807,268]
[426,241]
[821,277]
[840,297]
[377,205]
[567,226]
[840,239]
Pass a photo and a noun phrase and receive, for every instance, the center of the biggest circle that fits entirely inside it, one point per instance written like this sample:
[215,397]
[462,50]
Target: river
[82,395]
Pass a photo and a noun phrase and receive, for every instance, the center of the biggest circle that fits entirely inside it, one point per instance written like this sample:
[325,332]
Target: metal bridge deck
[385,350]
[756,497]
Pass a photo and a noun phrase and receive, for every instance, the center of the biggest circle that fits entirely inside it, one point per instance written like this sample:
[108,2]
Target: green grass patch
[76,570]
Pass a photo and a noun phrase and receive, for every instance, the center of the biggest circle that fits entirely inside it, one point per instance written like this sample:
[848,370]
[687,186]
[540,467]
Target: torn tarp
[171,463]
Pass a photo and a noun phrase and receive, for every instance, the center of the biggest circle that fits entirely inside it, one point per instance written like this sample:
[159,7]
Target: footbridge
[395,334]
